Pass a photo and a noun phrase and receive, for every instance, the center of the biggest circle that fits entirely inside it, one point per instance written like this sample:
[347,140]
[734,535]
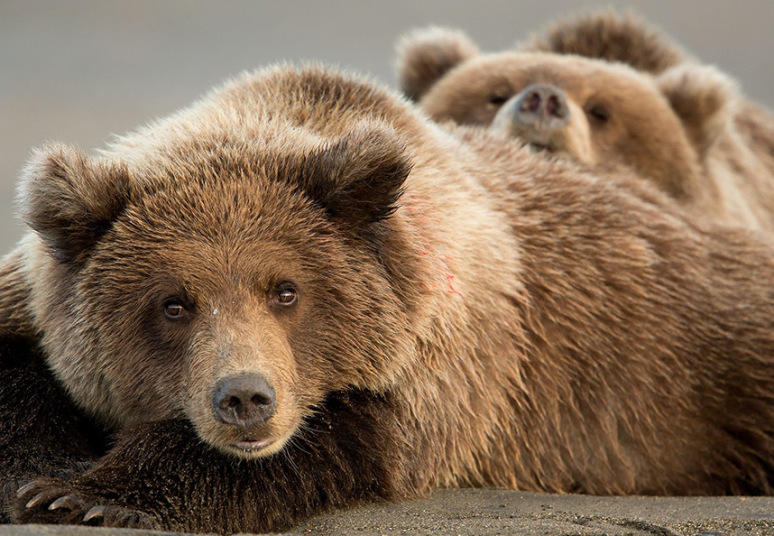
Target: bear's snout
[546,119]
[542,106]
[244,400]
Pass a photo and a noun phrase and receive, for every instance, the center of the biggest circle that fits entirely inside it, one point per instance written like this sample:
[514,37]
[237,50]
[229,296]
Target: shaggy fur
[613,37]
[683,129]
[43,432]
[468,314]
[428,54]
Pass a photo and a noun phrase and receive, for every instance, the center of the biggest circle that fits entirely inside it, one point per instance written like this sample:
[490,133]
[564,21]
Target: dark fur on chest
[41,430]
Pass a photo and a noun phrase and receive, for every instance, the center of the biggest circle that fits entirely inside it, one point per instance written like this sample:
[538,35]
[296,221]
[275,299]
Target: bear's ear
[609,36]
[359,178]
[703,98]
[70,200]
[425,55]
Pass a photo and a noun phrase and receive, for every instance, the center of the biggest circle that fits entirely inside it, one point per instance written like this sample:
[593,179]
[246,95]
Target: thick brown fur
[468,314]
[43,433]
[684,128]
[428,55]
[610,36]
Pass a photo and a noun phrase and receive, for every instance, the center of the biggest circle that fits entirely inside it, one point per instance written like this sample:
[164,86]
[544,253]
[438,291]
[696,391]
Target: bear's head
[228,280]
[592,110]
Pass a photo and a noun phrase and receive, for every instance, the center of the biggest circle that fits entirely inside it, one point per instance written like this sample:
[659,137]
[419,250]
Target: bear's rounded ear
[426,54]
[610,36]
[359,178]
[70,200]
[703,98]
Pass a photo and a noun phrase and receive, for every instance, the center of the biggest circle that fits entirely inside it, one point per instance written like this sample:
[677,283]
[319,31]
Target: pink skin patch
[415,209]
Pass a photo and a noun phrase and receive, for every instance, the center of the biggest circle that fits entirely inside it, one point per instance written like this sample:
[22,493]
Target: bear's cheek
[476,114]
[578,138]
[154,388]
[116,369]
[464,108]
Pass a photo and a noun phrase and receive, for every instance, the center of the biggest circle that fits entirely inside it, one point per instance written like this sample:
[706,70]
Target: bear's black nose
[543,106]
[245,400]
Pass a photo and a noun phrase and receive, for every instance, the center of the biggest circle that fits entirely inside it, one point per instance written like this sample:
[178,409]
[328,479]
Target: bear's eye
[285,294]
[174,309]
[497,99]
[598,112]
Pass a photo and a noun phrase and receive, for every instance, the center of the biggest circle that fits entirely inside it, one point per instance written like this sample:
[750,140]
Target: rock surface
[493,512]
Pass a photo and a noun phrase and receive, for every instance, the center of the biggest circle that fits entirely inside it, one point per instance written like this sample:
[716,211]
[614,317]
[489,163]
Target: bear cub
[675,128]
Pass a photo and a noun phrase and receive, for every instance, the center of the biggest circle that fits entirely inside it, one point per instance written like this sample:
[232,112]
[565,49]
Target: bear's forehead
[215,233]
[572,72]
[219,191]
[237,206]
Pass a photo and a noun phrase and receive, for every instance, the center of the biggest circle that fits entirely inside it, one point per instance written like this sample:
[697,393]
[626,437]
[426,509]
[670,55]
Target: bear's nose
[245,400]
[543,106]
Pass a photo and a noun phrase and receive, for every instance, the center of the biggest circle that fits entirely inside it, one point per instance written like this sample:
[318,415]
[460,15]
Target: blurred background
[77,71]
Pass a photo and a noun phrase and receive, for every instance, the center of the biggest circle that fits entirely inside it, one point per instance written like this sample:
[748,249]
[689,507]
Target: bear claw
[54,501]
[67,501]
[26,488]
[37,499]
[94,512]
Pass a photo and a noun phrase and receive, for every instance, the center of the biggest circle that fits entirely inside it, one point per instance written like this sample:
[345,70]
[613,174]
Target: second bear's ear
[425,55]
[703,98]
[359,178]
[610,36]
[70,200]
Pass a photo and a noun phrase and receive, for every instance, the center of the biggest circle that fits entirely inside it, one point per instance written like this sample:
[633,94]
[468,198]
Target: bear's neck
[470,332]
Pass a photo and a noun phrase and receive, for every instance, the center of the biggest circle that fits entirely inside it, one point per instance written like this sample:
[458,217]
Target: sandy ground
[498,512]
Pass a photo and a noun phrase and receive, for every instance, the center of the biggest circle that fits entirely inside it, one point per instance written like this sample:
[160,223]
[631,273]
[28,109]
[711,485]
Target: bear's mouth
[251,445]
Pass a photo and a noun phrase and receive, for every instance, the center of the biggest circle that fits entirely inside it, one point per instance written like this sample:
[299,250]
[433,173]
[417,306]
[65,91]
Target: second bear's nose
[245,400]
[542,106]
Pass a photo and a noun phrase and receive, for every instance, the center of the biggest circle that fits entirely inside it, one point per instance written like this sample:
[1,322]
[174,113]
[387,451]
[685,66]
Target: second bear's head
[598,112]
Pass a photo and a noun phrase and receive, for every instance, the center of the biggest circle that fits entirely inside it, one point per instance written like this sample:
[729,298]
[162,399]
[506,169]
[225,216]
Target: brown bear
[300,294]
[679,128]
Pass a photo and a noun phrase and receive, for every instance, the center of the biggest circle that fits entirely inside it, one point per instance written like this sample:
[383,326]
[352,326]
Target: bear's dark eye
[598,112]
[285,294]
[174,309]
[497,100]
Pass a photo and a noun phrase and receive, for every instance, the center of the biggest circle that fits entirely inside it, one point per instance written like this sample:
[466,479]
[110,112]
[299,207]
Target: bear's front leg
[42,433]
[160,475]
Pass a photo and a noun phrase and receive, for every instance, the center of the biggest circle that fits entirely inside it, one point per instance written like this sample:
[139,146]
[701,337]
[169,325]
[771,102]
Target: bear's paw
[50,501]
